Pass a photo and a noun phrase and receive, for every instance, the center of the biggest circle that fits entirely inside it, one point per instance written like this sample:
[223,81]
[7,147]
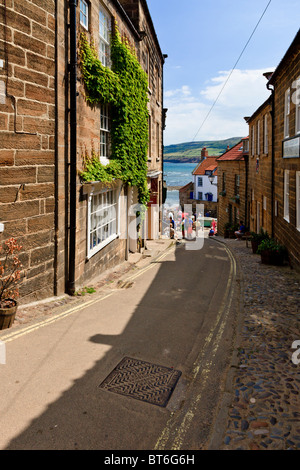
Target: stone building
[201,190]
[260,169]
[285,86]
[232,184]
[28,158]
[46,127]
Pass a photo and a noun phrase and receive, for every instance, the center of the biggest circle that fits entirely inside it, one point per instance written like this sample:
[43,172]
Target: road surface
[178,313]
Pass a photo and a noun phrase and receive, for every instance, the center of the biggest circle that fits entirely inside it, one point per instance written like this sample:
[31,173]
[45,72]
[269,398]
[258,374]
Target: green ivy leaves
[125,88]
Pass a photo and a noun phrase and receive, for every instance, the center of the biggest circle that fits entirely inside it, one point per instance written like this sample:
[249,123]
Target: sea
[177,174]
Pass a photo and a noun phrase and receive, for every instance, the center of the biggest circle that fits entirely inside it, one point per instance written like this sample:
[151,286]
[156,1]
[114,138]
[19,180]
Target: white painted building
[203,189]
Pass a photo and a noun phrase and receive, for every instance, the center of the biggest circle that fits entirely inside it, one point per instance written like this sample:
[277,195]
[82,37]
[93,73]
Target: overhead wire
[230,74]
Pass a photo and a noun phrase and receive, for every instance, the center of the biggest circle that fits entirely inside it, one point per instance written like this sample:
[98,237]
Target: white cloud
[244,92]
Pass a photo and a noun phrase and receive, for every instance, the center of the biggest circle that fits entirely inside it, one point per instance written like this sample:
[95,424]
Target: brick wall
[27,129]
[88,138]
[287,72]
[260,170]
[231,168]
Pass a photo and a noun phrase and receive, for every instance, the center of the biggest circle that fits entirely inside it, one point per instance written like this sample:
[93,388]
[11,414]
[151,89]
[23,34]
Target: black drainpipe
[73,145]
[273,155]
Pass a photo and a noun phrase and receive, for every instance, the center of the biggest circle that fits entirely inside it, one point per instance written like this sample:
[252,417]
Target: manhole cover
[143,381]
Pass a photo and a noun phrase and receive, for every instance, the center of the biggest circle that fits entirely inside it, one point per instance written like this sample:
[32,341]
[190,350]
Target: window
[287,105]
[145,63]
[149,138]
[157,140]
[104,38]
[224,181]
[266,137]
[237,185]
[200,196]
[253,141]
[157,85]
[297,103]
[200,181]
[286,213]
[102,220]
[258,138]
[264,203]
[258,226]
[84,14]
[104,134]
[298,200]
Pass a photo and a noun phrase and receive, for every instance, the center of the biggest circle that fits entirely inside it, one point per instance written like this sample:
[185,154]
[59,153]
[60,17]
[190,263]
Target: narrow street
[179,312]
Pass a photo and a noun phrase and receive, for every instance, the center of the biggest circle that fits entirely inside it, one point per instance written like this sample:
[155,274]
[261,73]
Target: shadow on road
[169,318]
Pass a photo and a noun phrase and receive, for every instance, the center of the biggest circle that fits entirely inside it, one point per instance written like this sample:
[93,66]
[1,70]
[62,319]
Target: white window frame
[266,135]
[264,203]
[84,14]
[258,138]
[286,199]
[104,37]
[258,216]
[253,141]
[103,222]
[297,103]
[287,108]
[298,200]
[104,134]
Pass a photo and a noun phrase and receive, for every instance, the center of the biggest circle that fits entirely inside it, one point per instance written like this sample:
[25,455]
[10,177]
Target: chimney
[204,152]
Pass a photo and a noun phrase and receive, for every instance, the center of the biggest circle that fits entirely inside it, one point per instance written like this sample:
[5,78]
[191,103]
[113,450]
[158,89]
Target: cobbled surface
[265,409]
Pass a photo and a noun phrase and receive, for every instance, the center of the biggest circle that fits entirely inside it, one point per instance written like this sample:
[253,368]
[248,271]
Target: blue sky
[203,40]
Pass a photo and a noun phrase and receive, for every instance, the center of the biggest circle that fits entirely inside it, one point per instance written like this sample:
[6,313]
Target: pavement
[261,406]
[33,312]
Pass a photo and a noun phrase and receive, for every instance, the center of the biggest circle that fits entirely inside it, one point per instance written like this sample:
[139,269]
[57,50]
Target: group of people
[185,224]
[188,225]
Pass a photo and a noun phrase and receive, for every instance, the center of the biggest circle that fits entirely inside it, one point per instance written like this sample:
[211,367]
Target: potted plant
[257,238]
[226,230]
[272,252]
[234,228]
[9,278]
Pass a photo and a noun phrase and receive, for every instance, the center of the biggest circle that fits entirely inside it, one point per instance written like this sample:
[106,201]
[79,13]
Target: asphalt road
[180,312]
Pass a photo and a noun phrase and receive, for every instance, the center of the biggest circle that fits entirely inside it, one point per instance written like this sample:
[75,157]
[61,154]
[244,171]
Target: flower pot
[7,315]
[254,244]
[272,257]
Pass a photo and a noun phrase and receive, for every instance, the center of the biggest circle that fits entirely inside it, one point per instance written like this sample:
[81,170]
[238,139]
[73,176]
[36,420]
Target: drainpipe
[73,145]
[273,155]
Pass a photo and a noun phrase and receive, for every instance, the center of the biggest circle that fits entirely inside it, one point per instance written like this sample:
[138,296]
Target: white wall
[207,187]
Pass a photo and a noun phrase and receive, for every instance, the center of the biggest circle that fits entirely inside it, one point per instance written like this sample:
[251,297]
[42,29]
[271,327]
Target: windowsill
[100,247]
[84,27]
[287,219]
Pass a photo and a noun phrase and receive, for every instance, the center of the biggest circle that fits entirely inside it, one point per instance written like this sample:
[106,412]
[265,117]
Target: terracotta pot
[7,315]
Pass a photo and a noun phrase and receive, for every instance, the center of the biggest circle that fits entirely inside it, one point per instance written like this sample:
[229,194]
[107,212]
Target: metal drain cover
[143,381]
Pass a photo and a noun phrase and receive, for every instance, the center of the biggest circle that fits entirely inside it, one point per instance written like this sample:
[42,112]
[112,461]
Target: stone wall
[286,74]
[260,170]
[226,202]
[27,131]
